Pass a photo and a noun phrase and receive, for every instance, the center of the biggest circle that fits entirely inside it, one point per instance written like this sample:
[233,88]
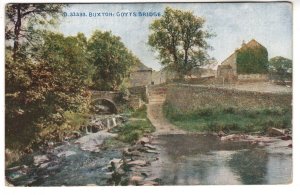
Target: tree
[281,68]
[52,78]
[180,39]
[111,59]
[20,17]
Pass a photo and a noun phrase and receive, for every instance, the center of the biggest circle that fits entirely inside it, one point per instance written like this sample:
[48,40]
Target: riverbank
[86,157]
[230,119]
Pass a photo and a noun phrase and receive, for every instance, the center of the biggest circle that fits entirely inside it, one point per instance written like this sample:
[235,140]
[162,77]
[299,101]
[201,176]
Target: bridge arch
[104,106]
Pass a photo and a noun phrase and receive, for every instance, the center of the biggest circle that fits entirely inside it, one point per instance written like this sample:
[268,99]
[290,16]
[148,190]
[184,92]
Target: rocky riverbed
[179,159]
[96,157]
[91,157]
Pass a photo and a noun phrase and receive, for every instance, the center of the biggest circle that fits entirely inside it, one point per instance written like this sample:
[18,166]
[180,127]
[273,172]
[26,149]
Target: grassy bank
[136,127]
[230,119]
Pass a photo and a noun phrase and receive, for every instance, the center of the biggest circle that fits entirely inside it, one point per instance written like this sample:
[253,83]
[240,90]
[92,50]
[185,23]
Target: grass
[230,119]
[132,130]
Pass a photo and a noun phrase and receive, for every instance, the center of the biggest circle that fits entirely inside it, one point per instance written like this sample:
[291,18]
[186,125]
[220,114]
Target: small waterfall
[108,123]
[114,121]
[87,130]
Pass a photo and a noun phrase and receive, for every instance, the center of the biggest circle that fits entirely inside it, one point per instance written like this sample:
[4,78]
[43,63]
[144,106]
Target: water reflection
[250,165]
[199,159]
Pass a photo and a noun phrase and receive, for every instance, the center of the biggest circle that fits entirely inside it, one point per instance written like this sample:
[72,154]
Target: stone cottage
[141,77]
[250,61]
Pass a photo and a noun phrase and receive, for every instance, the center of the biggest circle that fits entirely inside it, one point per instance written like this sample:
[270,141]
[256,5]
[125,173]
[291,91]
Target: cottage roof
[250,44]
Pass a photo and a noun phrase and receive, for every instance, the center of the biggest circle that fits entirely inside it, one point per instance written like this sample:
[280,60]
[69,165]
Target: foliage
[252,60]
[52,78]
[230,119]
[180,39]
[281,67]
[48,75]
[21,17]
[111,58]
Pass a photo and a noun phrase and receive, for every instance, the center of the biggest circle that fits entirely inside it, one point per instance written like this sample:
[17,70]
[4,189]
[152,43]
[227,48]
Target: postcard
[148,94]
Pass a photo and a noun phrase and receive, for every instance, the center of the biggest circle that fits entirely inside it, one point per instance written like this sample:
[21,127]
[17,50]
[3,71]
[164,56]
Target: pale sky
[269,23]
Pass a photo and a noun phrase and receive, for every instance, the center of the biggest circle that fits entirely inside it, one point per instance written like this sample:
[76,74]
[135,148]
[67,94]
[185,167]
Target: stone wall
[135,102]
[188,98]
[252,77]
[141,91]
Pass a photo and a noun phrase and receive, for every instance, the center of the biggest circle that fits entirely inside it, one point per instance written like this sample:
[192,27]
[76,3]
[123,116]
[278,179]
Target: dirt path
[157,97]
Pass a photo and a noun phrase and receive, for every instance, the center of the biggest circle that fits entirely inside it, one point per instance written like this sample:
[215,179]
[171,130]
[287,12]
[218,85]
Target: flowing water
[67,165]
[205,160]
[183,160]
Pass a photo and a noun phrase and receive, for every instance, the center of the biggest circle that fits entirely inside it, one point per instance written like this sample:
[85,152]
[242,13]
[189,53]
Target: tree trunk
[17,32]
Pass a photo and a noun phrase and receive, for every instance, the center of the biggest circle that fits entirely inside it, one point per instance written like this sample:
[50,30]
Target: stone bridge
[105,101]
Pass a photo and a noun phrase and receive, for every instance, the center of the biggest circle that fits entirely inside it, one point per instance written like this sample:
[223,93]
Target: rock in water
[137,162]
[91,142]
[115,163]
[152,151]
[66,153]
[136,180]
[44,165]
[144,140]
[39,159]
[150,146]
[275,132]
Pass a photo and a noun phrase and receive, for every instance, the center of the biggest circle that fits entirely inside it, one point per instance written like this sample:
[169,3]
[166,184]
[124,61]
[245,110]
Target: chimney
[243,44]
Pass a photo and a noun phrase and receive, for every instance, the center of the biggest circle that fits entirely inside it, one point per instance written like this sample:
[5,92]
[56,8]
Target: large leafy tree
[281,68]
[46,74]
[51,79]
[181,41]
[111,59]
[21,17]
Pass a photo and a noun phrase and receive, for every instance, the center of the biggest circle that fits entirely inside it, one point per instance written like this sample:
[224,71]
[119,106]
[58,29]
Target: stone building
[250,59]
[141,77]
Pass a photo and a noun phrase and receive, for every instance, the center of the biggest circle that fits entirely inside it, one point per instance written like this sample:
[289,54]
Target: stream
[205,160]
[68,165]
[183,159]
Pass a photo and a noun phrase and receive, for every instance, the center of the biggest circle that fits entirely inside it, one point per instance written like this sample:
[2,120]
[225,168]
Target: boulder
[150,146]
[221,133]
[44,165]
[150,183]
[275,132]
[127,152]
[152,151]
[115,163]
[144,140]
[66,153]
[136,180]
[91,142]
[16,168]
[40,159]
